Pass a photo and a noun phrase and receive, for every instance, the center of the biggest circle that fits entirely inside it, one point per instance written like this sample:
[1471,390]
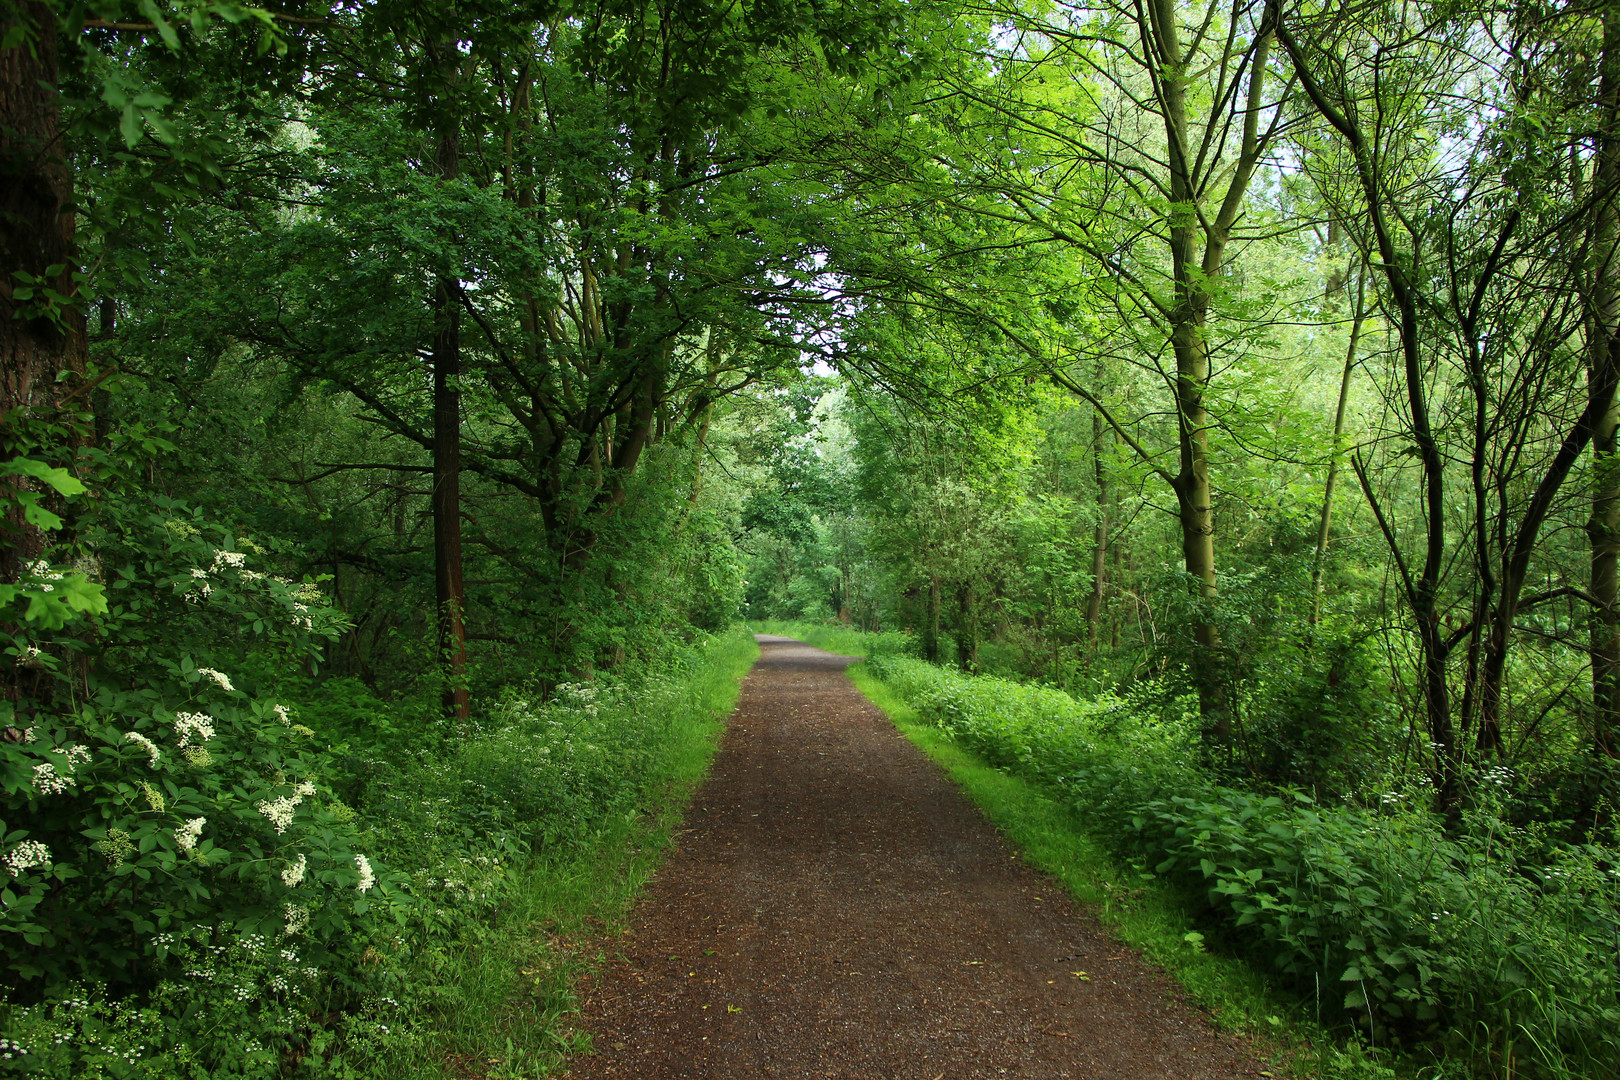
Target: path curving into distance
[835,907]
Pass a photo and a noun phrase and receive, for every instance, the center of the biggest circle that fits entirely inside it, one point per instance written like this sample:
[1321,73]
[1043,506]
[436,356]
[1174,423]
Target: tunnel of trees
[381,379]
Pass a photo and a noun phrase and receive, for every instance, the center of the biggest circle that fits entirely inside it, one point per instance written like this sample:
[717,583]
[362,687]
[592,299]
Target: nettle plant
[145,797]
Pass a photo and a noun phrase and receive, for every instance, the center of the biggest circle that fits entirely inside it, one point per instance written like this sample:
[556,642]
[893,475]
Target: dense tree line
[396,358]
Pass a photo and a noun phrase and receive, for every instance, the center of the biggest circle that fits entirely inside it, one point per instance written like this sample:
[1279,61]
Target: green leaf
[129,125]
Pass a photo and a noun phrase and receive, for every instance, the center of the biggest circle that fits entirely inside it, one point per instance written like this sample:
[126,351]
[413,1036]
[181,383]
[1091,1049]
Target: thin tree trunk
[1603,528]
[967,629]
[449,592]
[1099,541]
[930,641]
[1325,525]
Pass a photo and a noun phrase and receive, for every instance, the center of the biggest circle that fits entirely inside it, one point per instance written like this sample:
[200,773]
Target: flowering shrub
[144,794]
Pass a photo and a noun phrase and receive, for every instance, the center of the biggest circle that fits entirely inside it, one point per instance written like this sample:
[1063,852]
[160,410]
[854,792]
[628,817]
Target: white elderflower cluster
[283,714]
[279,810]
[193,725]
[47,781]
[249,576]
[198,572]
[42,570]
[199,594]
[187,834]
[367,878]
[144,743]
[218,676]
[27,855]
[224,560]
[294,873]
[297,919]
[77,754]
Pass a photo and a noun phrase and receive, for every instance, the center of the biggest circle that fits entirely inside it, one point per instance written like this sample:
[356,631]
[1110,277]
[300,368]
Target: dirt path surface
[836,908]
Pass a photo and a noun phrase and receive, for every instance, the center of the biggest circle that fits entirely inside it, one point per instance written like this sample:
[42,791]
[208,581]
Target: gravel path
[836,908]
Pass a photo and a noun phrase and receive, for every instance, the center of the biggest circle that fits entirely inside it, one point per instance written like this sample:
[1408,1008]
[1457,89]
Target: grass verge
[1142,911]
[503,997]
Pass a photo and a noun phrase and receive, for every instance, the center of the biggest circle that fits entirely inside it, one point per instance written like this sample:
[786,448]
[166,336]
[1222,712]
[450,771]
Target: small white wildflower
[279,811]
[248,576]
[294,873]
[283,714]
[304,790]
[48,782]
[187,834]
[77,754]
[218,676]
[198,572]
[367,878]
[223,559]
[27,654]
[26,855]
[192,725]
[297,919]
[145,744]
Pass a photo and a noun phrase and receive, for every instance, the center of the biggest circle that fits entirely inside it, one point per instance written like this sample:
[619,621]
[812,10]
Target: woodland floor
[835,907]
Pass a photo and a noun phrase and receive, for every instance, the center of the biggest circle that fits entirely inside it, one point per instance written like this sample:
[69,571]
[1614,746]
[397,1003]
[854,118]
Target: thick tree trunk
[36,238]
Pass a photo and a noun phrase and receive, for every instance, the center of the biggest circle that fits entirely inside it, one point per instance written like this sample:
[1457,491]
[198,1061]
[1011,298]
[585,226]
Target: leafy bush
[1491,938]
[144,794]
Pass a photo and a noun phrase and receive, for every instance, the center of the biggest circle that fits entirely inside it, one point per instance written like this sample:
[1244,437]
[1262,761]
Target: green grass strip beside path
[505,997]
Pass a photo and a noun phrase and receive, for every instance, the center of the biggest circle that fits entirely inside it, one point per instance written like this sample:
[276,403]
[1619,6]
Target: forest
[1205,408]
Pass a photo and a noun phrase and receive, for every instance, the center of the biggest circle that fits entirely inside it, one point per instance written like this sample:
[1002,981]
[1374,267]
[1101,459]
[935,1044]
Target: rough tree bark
[36,235]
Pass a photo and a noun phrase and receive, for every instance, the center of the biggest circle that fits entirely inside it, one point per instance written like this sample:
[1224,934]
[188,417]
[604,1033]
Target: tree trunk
[930,641]
[967,629]
[1324,527]
[1603,528]
[1099,533]
[449,592]
[36,238]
